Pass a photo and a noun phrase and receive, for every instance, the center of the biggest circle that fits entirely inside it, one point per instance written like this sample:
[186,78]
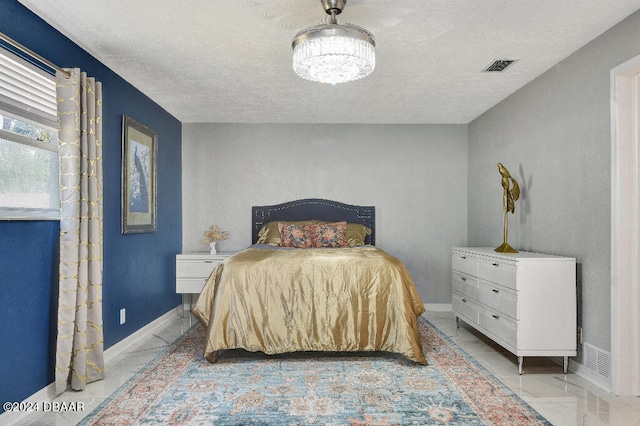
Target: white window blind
[27,90]
[29,172]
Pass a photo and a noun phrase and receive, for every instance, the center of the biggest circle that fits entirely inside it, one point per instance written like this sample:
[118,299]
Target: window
[28,169]
[29,172]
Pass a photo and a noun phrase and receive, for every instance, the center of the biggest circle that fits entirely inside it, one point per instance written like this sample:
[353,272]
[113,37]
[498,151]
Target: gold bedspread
[336,299]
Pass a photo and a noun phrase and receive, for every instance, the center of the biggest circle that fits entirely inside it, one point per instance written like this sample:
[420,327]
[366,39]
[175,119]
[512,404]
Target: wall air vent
[598,361]
[499,65]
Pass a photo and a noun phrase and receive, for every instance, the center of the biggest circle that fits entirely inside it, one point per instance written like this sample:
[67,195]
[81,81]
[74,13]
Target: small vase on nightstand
[212,244]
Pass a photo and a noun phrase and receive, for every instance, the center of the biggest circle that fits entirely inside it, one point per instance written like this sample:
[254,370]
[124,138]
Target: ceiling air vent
[499,65]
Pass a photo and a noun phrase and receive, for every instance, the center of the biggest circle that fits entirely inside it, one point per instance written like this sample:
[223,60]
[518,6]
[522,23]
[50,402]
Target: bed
[312,280]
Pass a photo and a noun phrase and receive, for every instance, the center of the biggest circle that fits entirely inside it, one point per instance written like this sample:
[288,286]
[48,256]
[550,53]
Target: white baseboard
[48,393]
[45,394]
[584,372]
[438,307]
[135,338]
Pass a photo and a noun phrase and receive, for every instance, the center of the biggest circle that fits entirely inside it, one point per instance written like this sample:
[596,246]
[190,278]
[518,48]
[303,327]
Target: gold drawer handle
[463,278]
[208,261]
[495,316]
[494,263]
[463,257]
[495,290]
[464,300]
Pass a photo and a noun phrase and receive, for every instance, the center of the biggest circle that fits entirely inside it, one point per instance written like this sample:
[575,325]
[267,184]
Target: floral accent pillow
[331,235]
[293,235]
[270,233]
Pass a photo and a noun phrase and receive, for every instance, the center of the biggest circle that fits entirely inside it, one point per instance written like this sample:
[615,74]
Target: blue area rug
[180,387]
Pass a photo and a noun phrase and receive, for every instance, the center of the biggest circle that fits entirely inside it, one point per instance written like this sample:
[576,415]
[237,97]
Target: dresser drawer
[499,325]
[195,268]
[465,284]
[466,308]
[190,285]
[462,262]
[499,271]
[499,298]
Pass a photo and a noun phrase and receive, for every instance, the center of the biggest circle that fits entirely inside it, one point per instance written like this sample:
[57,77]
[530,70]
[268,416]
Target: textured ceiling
[230,61]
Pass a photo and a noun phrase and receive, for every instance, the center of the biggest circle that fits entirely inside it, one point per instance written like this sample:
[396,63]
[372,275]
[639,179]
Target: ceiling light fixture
[334,53]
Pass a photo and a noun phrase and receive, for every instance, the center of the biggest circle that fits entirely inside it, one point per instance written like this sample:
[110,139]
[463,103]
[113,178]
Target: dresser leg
[565,364]
[520,362]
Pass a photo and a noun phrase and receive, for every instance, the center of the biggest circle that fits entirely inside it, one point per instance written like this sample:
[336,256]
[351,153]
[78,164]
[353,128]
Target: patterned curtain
[79,350]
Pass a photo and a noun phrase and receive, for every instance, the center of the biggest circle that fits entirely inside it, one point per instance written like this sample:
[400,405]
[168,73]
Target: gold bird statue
[510,193]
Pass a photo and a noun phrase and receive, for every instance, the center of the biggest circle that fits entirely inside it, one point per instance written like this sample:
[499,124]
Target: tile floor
[565,400]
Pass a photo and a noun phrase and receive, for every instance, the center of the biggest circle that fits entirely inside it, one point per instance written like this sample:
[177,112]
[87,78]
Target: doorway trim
[625,229]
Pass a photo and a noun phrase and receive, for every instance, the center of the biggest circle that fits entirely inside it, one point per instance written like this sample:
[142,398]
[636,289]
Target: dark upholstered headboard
[314,208]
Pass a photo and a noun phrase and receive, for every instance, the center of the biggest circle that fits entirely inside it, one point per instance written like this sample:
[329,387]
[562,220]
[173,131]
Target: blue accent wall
[139,269]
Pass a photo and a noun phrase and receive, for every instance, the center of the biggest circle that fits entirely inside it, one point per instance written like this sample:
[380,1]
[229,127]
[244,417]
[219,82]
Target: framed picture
[139,175]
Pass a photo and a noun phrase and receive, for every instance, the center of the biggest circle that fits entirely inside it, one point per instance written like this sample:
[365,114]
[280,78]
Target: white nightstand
[193,270]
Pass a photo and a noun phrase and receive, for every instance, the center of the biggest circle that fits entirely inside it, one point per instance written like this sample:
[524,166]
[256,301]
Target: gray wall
[415,175]
[554,136]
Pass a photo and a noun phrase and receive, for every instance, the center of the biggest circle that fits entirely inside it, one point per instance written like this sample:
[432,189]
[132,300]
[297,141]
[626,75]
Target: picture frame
[139,177]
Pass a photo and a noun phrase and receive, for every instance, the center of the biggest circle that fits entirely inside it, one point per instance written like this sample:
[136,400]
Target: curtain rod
[11,42]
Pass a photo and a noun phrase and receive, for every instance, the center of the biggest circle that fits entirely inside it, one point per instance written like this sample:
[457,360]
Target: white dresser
[526,302]
[193,270]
